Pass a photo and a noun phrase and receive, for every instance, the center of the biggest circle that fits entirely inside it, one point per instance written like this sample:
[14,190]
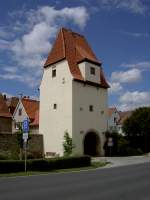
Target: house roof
[12,103]
[4,111]
[36,119]
[111,111]
[74,48]
[124,116]
[31,106]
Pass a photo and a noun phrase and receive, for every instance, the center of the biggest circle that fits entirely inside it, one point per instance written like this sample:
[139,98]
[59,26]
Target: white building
[26,108]
[113,119]
[73,97]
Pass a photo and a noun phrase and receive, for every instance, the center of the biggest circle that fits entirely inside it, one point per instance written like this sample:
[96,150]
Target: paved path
[117,183]
[123,161]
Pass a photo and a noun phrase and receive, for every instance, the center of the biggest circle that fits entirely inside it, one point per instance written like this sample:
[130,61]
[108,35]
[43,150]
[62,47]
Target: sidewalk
[122,161]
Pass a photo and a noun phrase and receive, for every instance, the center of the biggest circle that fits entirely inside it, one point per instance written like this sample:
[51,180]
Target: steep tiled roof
[4,111]
[74,48]
[31,106]
[36,119]
[12,103]
[124,115]
[111,111]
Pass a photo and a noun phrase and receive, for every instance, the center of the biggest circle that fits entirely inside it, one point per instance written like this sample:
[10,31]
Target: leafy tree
[137,129]
[67,144]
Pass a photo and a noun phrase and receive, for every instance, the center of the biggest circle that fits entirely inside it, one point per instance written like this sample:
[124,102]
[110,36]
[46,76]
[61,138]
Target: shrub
[67,144]
[8,166]
[45,164]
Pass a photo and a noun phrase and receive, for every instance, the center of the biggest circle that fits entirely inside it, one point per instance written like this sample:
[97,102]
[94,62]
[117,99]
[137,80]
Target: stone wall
[10,144]
[5,125]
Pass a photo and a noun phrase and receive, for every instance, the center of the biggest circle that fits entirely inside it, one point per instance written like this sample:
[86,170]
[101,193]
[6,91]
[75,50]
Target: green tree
[67,144]
[137,129]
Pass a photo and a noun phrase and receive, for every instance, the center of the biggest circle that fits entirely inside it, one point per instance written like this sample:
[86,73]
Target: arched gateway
[92,144]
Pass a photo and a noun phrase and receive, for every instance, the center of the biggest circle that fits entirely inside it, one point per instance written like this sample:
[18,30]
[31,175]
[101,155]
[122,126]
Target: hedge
[9,166]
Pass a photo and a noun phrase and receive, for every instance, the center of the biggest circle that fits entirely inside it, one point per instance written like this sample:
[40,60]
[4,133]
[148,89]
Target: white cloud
[141,65]
[4,45]
[135,6]
[37,29]
[132,100]
[115,88]
[11,69]
[130,76]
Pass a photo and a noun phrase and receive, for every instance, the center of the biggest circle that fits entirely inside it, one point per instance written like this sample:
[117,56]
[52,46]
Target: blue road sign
[25,126]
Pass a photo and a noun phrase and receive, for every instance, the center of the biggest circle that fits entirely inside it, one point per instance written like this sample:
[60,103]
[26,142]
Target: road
[118,183]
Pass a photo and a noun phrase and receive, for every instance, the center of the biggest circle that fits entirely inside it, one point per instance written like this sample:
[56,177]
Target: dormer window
[53,73]
[92,70]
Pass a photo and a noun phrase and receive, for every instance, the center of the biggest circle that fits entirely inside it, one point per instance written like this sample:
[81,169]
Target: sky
[117,30]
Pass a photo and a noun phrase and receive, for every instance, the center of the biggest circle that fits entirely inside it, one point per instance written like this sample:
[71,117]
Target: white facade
[64,106]
[113,121]
[18,116]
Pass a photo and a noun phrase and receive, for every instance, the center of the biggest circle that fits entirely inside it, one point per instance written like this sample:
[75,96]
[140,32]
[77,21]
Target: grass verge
[30,173]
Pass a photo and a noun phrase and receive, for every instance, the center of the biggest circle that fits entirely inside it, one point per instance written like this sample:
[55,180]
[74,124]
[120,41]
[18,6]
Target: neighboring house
[5,117]
[113,119]
[11,103]
[123,116]
[34,126]
[26,108]
[73,97]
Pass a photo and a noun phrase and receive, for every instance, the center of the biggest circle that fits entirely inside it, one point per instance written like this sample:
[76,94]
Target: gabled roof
[124,115]
[111,111]
[36,119]
[74,48]
[12,103]
[4,111]
[31,106]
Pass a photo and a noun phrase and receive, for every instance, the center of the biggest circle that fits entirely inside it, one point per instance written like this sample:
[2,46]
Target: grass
[30,173]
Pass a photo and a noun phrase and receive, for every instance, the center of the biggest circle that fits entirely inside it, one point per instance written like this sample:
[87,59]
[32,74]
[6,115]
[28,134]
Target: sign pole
[25,138]
[25,155]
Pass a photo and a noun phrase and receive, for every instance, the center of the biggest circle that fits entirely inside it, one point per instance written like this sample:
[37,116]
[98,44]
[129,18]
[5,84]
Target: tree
[137,129]
[67,144]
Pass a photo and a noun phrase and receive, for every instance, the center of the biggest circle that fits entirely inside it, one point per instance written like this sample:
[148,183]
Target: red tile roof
[36,119]
[4,111]
[74,48]
[124,115]
[111,111]
[12,103]
[31,106]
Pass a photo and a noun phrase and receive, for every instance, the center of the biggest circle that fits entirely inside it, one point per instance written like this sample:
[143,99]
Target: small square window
[91,108]
[92,70]
[20,111]
[53,73]
[55,106]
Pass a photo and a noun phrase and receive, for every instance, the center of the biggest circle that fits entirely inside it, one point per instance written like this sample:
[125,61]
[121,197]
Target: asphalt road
[119,183]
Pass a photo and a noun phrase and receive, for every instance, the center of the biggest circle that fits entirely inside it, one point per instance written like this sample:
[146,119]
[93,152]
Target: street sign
[25,126]
[110,142]
[25,137]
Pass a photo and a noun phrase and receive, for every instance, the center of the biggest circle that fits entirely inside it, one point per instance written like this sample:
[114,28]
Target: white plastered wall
[84,120]
[54,122]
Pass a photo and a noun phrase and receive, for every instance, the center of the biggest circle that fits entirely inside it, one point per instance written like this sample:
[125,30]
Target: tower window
[53,73]
[91,108]
[55,106]
[92,70]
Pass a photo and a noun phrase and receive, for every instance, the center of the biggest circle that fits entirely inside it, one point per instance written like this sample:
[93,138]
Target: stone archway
[92,144]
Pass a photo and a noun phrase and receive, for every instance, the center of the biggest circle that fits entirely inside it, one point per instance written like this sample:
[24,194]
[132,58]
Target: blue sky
[117,30]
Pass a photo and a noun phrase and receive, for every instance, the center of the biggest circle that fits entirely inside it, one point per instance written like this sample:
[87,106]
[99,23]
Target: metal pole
[25,155]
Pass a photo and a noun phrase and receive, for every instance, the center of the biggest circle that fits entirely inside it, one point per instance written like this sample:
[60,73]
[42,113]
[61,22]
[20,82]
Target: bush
[45,164]
[134,152]
[8,166]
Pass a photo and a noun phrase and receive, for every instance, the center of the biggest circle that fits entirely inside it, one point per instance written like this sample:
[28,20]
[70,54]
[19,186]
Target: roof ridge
[64,46]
